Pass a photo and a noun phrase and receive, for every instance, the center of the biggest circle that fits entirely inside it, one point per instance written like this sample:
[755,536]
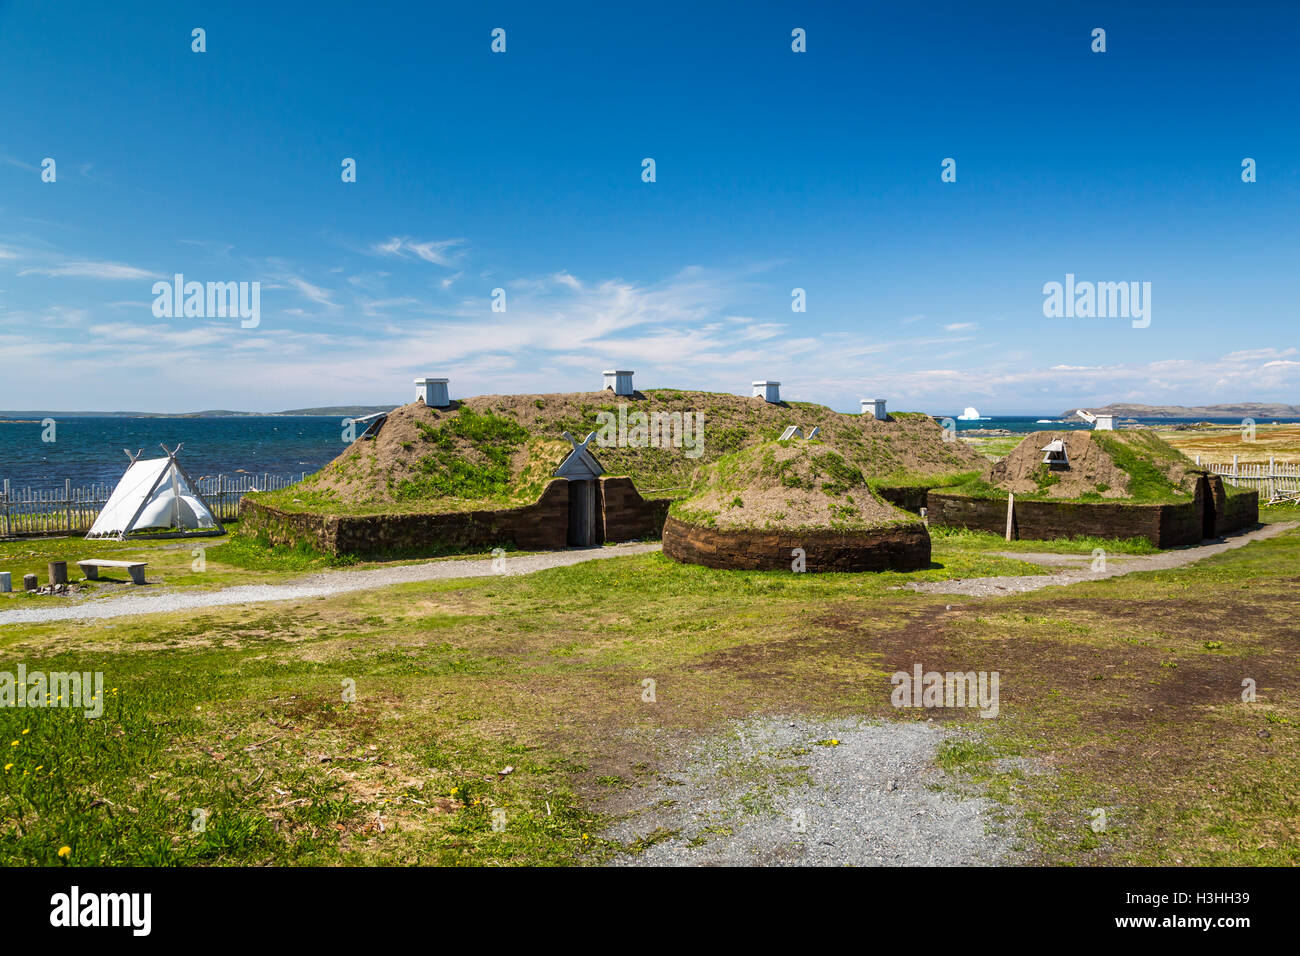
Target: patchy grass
[1217,444]
[243,712]
[976,541]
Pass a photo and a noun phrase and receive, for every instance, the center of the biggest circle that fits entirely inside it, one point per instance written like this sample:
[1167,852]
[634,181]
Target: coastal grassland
[201,563]
[1122,694]
[185,564]
[992,447]
[1216,444]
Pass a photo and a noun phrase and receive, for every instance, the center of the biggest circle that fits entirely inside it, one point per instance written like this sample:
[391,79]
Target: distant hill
[351,411]
[1256,410]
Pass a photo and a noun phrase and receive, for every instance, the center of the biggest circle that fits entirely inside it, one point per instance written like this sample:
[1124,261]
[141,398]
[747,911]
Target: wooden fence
[26,511]
[1276,481]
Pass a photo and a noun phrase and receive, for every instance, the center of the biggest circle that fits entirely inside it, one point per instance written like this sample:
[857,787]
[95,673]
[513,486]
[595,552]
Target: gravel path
[1079,567]
[317,585]
[774,793]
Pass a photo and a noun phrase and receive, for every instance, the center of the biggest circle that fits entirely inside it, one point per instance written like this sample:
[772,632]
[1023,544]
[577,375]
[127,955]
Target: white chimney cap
[433,391]
[620,380]
[875,407]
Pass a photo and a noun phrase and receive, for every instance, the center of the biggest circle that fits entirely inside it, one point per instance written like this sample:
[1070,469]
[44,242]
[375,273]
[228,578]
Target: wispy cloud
[309,291]
[441,253]
[12,161]
[91,270]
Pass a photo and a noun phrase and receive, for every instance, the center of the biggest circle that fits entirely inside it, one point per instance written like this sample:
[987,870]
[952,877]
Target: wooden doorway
[1210,511]
[582,513]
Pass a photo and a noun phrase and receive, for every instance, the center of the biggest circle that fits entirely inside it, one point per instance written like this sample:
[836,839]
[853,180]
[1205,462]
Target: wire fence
[25,511]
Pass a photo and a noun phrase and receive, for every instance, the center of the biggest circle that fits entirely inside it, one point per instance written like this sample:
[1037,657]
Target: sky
[774,170]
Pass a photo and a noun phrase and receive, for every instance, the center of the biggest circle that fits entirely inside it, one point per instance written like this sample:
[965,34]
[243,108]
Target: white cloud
[440,253]
[92,270]
[308,291]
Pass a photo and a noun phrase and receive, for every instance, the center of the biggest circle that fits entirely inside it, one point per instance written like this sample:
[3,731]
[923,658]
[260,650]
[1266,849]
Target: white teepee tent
[155,494]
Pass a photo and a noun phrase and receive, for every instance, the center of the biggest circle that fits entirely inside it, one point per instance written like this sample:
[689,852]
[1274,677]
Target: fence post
[8,529]
[67,503]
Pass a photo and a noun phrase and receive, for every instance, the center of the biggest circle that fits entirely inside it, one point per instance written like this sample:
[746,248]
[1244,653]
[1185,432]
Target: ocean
[89,450]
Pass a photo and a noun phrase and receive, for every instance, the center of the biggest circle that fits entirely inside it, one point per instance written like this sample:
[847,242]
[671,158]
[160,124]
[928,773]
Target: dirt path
[316,585]
[1079,567]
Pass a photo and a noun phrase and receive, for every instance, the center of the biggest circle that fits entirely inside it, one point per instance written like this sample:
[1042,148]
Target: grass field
[1217,444]
[226,738]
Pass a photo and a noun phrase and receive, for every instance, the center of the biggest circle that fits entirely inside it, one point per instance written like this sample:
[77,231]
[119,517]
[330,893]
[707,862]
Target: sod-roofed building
[487,471]
[794,505]
[1119,484]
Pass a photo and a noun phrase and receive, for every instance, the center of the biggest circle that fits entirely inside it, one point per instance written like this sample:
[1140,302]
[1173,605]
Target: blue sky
[522,171]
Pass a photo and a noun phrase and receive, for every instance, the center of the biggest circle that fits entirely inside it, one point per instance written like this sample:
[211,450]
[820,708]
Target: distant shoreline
[1239,410]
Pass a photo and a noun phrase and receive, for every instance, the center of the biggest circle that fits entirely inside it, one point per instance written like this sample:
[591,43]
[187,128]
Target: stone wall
[894,548]
[1165,526]
[623,515]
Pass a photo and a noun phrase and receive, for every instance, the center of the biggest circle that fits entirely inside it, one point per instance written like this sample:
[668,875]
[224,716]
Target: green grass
[259,554]
[1146,460]
[240,711]
[447,472]
[1079,544]
[802,467]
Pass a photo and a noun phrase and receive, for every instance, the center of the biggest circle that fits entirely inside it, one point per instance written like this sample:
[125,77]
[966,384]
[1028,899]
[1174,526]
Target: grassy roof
[1131,466]
[500,450]
[787,485]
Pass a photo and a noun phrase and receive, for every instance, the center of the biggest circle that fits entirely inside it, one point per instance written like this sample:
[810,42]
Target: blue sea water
[89,450]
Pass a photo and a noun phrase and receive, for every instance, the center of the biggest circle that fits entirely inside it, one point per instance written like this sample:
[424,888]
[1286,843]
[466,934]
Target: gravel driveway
[776,792]
[322,584]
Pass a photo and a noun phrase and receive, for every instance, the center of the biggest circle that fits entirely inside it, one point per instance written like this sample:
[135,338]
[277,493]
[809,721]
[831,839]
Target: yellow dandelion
[13,743]
[38,768]
[8,766]
[65,851]
[27,731]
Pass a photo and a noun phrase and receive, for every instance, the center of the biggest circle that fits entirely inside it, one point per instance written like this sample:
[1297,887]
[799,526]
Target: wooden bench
[90,568]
